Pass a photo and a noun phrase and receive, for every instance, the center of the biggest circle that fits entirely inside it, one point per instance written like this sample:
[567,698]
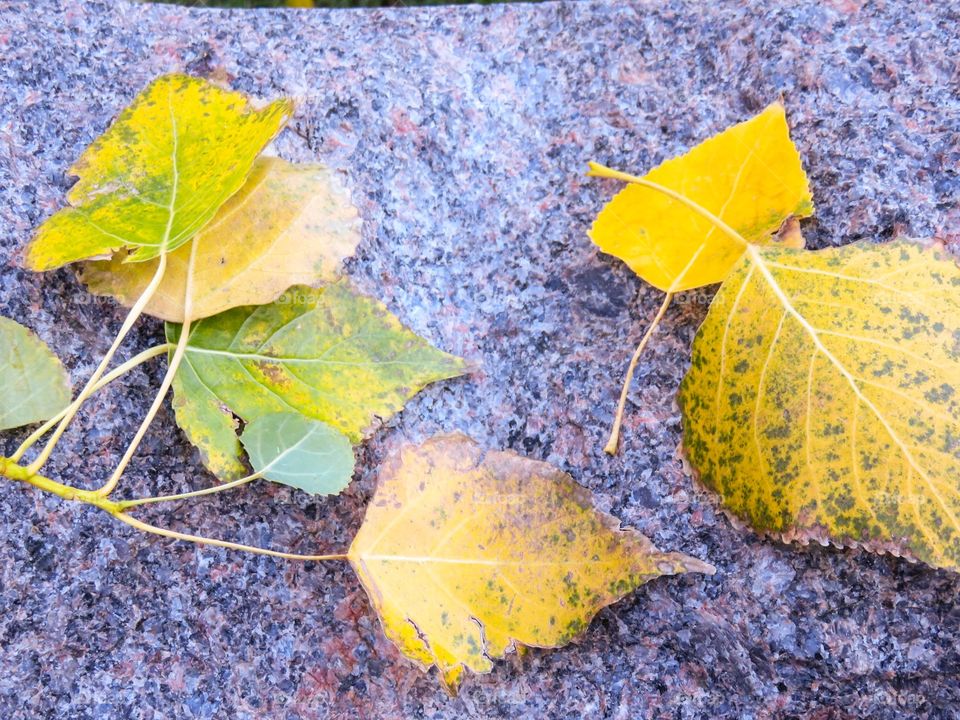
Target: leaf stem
[178,353]
[119,371]
[611,446]
[146,527]
[124,504]
[13,471]
[135,312]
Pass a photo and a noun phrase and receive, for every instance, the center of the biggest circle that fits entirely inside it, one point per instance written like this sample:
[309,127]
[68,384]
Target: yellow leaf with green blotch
[823,399]
[749,176]
[466,554]
[288,225]
[159,173]
[329,354]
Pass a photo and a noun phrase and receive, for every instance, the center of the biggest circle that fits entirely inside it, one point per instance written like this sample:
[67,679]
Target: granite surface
[463,133]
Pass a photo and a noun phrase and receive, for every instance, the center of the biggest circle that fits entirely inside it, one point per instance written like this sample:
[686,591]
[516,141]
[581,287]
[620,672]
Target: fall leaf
[822,401]
[288,225]
[295,450]
[329,354]
[749,176]
[159,173]
[34,385]
[466,554]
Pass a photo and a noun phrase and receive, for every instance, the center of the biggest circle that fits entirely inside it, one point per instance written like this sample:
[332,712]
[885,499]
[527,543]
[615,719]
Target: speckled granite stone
[464,134]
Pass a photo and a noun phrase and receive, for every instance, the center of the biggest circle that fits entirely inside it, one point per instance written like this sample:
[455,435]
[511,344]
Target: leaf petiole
[611,446]
[125,504]
[119,371]
[88,389]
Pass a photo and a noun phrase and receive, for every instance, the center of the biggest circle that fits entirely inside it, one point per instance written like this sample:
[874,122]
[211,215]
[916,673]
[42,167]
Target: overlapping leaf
[34,385]
[295,450]
[824,397]
[749,176]
[288,225]
[328,354]
[159,173]
[466,554]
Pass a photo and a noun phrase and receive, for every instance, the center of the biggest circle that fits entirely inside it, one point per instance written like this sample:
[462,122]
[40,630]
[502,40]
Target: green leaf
[823,399]
[159,173]
[34,385]
[301,452]
[328,354]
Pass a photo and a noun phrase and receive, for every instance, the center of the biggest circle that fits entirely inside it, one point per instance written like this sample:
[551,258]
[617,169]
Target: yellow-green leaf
[328,354]
[466,554]
[33,383]
[288,225]
[159,173]
[822,401]
[749,176]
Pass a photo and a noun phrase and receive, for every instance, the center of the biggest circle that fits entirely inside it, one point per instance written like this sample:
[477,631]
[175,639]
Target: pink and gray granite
[464,134]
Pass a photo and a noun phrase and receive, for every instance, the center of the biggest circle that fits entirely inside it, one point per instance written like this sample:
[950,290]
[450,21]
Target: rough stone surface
[464,134]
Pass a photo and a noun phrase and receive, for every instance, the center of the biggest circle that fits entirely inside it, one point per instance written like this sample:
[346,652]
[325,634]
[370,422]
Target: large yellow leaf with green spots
[823,399]
[289,224]
[159,173]
[466,554]
[329,354]
[749,176]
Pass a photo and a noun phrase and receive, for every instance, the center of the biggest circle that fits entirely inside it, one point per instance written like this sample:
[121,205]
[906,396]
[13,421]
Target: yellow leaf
[159,173]
[822,401]
[466,553]
[749,176]
[288,225]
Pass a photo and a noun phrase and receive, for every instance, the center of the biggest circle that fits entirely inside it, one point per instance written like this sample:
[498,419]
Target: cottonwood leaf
[159,173]
[822,398]
[466,554]
[749,176]
[34,385]
[328,354]
[288,225]
[298,451]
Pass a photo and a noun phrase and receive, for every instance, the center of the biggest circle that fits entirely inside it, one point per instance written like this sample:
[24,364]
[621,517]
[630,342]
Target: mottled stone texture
[463,133]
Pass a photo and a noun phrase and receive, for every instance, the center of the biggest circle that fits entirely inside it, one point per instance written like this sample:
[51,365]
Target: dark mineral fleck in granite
[464,133]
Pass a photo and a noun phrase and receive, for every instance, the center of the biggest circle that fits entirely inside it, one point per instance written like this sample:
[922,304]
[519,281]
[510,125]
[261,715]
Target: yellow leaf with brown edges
[288,225]
[749,176]
[466,554]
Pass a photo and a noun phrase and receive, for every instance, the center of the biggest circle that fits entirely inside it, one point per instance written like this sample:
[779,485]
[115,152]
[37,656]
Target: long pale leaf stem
[146,527]
[124,504]
[135,312]
[119,371]
[597,170]
[178,353]
[611,446]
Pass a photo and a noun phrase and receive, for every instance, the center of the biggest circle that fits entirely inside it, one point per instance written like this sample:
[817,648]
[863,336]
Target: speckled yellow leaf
[329,354]
[159,173]
[466,554]
[822,402]
[749,176]
[288,225]
[33,383]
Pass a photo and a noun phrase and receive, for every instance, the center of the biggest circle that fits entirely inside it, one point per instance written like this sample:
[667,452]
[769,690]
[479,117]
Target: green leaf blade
[329,354]
[300,452]
[34,385]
